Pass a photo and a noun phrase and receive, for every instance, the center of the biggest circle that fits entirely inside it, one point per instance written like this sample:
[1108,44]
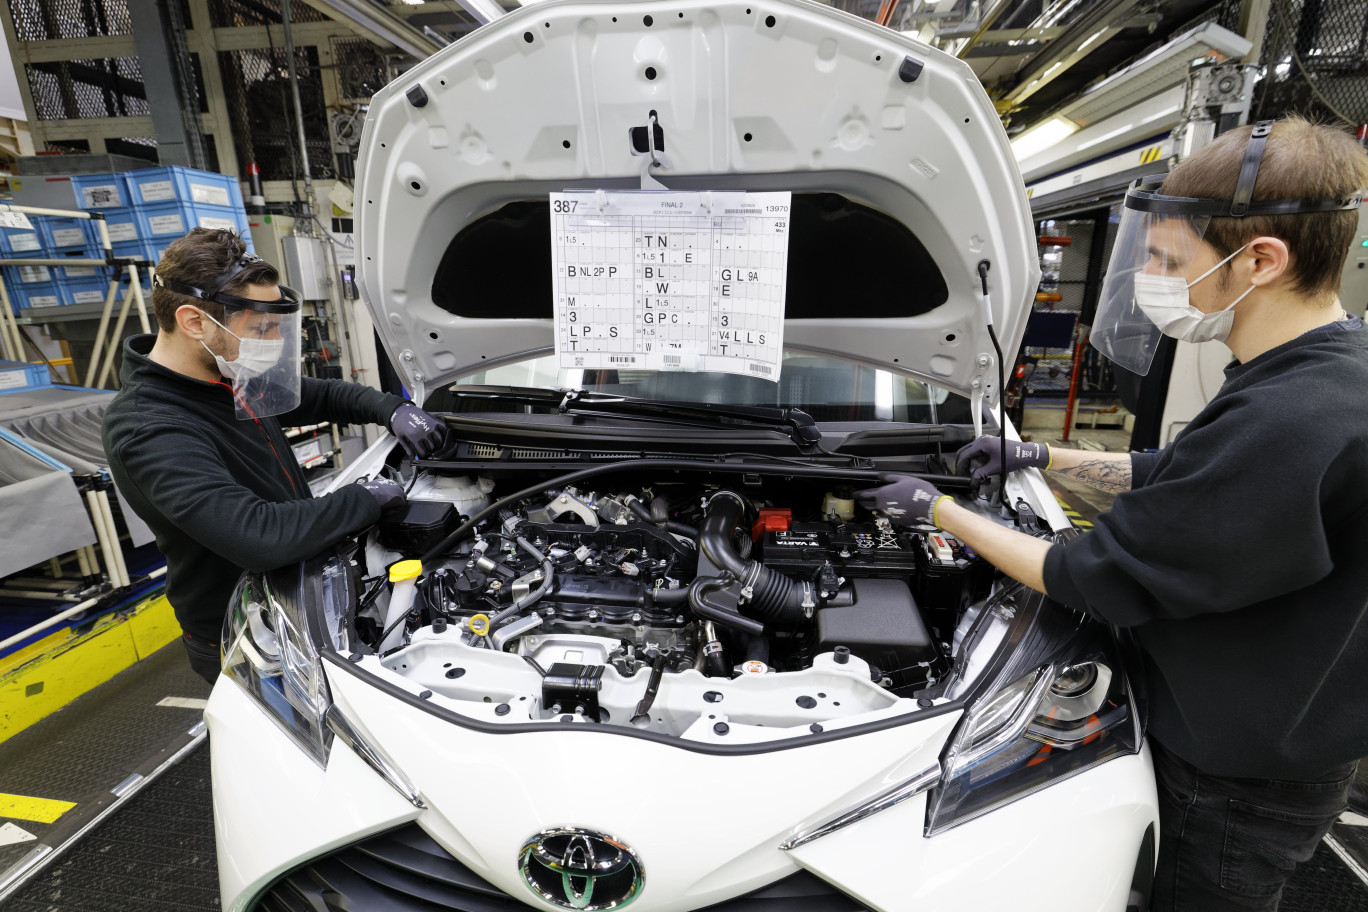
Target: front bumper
[708,827]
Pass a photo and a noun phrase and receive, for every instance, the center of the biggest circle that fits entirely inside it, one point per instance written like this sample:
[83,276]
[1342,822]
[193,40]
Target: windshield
[828,389]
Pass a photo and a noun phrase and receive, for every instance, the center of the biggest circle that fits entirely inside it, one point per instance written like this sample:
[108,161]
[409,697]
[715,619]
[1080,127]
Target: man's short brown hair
[198,259]
[1302,160]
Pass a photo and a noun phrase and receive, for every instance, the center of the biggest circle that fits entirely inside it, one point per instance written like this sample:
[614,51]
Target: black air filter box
[422,524]
[883,627]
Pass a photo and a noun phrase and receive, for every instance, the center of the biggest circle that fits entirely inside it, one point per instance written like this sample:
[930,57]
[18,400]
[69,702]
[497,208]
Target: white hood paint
[486,794]
[818,90]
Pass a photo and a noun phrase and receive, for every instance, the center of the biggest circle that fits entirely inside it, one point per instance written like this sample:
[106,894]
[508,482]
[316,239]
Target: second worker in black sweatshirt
[221,492]
[1235,558]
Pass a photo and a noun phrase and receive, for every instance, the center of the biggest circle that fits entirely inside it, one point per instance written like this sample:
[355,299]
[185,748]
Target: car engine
[599,588]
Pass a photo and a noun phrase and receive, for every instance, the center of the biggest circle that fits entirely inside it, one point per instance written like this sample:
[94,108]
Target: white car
[652,653]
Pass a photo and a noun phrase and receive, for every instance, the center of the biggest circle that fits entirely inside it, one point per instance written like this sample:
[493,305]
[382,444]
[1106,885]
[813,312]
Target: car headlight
[1033,731]
[268,651]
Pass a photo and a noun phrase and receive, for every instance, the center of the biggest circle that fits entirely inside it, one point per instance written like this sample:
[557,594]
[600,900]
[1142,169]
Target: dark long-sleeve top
[222,494]
[1239,559]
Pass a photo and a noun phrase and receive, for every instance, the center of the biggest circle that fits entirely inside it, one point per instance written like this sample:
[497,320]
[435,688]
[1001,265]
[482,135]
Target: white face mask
[1164,299]
[255,356]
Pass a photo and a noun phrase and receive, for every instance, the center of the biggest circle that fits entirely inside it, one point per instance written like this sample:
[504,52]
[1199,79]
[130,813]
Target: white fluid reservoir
[469,495]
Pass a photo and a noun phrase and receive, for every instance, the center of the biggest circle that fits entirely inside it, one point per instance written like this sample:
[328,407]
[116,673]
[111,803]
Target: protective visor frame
[1144,195]
[1123,330]
[289,301]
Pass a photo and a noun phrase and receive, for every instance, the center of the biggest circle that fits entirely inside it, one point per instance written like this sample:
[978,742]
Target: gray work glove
[420,434]
[904,499]
[388,494]
[983,458]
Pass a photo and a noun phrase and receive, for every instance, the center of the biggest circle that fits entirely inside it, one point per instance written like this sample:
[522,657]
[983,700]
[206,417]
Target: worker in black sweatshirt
[1235,556]
[194,436]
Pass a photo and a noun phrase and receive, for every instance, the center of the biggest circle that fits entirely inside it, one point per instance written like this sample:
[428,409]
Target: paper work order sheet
[670,280]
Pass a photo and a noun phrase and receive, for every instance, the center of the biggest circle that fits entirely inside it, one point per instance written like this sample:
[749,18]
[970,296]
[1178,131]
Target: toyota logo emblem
[580,869]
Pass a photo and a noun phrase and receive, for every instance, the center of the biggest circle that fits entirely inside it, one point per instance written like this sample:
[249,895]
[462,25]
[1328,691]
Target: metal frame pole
[136,288]
[114,339]
[104,328]
[108,513]
[9,326]
[102,536]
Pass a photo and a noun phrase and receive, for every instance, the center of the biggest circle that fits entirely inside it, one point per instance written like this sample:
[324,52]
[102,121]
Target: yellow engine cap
[479,624]
[405,570]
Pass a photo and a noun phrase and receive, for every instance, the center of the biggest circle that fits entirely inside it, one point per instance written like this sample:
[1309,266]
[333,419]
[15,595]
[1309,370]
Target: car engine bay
[695,607]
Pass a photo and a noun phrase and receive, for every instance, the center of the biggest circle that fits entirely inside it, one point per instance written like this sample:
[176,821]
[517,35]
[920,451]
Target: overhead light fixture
[1154,73]
[1041,137]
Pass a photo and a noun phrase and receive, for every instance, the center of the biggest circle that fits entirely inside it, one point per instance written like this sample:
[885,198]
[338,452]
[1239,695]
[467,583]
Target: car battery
[946,567]
[854,549]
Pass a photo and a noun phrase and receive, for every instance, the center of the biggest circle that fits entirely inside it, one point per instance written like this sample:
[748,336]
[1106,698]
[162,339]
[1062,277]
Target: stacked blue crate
[144,211]
[171,201]
[16,375]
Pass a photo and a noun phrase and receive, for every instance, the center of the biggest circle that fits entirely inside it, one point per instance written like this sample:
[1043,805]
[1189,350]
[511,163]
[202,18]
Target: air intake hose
[766,594]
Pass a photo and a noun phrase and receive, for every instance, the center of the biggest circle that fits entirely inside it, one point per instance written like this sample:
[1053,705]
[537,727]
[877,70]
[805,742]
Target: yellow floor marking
[50,681]
[39,810]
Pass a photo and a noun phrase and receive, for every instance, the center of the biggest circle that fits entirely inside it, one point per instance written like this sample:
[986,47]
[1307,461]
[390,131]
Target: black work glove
[983,458]
[388,494]
[903,499]
[420,434]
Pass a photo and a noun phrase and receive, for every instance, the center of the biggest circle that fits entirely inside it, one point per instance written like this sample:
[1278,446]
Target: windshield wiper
[797,424]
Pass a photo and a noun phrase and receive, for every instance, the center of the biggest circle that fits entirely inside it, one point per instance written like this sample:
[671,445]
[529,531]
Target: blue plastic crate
[15,375]
[122,224]
[184,185]
[162,223]
[59,232]
[18,242]
[140,249]
[38,294]
[81,270]
[16,276]
[78,273]
[100,191]
[84,291]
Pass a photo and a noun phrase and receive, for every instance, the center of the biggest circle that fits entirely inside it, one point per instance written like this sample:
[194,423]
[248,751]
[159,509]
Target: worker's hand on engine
[903,499]
[983,458]
[388,494]
[420,434]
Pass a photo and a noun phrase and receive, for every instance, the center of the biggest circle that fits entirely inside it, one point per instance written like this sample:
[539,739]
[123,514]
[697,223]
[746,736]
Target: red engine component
[772,519]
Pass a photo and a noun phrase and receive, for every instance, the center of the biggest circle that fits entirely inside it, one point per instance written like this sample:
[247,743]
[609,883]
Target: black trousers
[1231,844]
[204,657]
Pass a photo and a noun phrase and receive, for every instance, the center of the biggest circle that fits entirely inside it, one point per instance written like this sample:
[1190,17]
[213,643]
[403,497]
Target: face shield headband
[287,303]
[1158,241]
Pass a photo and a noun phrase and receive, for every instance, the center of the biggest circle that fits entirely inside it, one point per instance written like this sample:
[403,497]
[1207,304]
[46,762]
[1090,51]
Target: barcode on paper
[673,360]
[760,369]
[621,359]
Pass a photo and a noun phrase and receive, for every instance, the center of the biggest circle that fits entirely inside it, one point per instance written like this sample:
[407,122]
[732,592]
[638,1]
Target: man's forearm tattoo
[1111,475]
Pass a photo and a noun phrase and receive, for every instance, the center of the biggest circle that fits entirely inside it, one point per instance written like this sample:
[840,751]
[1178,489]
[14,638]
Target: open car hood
[901,175]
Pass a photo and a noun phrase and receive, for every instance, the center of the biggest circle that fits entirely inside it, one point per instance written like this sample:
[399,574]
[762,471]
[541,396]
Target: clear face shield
[256,345]
[1159,254]
[1153,254]
[258,352]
